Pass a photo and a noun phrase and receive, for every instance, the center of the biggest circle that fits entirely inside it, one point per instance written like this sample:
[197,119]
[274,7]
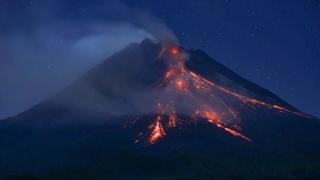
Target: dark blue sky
[273,43]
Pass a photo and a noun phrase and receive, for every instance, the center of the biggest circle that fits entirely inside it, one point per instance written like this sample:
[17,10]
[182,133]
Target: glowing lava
[172,120]
[202,100]
[174,50]
[181,85]
[157,131]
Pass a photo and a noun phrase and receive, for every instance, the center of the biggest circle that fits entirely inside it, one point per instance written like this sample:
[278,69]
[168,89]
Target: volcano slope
[161,111]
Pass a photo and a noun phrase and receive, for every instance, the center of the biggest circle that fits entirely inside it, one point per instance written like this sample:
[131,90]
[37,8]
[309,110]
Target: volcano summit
[155,110]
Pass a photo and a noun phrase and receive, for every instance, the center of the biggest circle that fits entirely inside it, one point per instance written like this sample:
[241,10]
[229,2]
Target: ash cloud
[160,31]
[43,51]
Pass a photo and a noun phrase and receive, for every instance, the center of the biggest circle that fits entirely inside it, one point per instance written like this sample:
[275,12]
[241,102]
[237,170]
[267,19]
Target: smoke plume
[43,50]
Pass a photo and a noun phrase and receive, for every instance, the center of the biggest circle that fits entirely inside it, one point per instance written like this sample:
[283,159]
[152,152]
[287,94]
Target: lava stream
[157,131]
[183,85]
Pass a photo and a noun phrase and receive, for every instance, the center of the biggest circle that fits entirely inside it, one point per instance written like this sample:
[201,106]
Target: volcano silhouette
[161,111]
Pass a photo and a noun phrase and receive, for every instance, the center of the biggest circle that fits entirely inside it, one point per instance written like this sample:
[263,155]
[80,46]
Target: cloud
[159,30]
[46,45]
[37,63]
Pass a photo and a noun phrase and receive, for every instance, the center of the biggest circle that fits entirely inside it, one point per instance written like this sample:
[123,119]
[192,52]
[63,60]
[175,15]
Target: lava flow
[188,93]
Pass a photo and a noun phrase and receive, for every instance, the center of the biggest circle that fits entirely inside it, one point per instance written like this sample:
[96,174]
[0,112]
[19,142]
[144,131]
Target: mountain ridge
[99,118]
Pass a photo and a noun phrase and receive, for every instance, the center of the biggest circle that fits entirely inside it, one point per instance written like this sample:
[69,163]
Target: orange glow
[202,94]
[235,133]
[181,85]
[157,131]
[211,116]
[170,73]
[174,50]
[214,119]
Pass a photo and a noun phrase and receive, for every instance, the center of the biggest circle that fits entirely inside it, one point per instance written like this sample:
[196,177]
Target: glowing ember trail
[172,120]
[157,131]
[202,96]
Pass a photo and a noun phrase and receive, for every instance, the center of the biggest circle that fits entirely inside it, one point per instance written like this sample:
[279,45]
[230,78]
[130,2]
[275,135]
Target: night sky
[273,43]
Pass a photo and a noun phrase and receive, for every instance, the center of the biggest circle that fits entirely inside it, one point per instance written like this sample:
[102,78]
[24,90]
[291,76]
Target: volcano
[161,111]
